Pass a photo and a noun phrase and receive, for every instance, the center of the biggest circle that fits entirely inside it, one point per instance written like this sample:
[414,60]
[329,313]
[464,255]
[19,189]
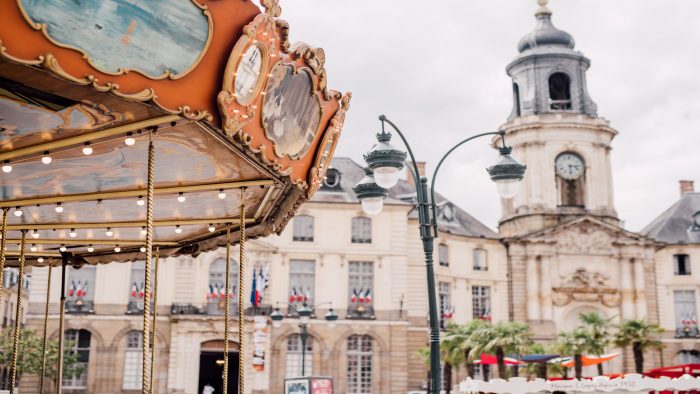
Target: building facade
[560,251]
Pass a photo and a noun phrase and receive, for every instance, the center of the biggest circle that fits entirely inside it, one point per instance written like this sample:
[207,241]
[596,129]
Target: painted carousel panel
[157,38]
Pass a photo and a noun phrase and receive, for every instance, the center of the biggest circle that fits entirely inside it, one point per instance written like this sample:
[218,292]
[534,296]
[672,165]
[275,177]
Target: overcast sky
[437,69]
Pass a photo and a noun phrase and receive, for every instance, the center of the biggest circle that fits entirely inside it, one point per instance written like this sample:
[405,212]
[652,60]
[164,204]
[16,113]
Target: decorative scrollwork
[272,7]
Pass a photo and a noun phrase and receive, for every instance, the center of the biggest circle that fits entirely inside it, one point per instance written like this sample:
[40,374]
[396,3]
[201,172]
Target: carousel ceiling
[233,110]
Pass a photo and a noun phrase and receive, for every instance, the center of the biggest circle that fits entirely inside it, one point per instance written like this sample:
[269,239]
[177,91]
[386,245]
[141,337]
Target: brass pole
[46,325]
[147,280]
[18,315]
[227,306]
[241,297]
[2,246]
[153,323]
[61,324]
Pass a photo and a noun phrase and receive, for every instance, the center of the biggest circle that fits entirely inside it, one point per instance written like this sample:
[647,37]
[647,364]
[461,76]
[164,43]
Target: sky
[437,69]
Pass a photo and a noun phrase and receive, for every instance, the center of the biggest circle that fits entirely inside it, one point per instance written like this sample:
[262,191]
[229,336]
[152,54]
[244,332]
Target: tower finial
[543,8]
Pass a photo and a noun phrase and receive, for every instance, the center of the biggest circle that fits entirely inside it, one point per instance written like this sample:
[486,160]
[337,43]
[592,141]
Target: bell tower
[555,130]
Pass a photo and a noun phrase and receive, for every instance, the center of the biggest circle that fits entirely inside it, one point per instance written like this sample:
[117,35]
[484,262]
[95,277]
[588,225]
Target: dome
[545,34]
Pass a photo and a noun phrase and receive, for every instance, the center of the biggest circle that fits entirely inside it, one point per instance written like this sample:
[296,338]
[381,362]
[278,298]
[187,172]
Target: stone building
[560,250]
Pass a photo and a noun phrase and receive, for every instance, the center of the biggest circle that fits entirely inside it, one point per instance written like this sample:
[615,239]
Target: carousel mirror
[248,73]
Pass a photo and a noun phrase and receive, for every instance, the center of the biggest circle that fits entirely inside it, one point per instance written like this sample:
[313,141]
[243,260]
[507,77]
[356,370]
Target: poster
[296,386]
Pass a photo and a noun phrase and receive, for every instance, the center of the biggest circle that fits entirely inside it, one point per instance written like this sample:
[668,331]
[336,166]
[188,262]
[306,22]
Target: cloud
[437,69]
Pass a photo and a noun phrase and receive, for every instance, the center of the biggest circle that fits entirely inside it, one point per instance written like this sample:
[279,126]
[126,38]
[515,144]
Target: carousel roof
[236,114]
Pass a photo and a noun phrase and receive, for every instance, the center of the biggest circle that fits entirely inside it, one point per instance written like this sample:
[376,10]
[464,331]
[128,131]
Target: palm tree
[460,334]
[639,334]
[502,338]
[599,328]
[451,351]
[575,342]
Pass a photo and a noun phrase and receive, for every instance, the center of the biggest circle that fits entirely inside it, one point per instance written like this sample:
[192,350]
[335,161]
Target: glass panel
[360,286]
[132,361]
[481,302]
[80,284]
[216,293]
[443,255]
[303,230]
[79,342]
[294,355]
[446,311]
[359,372]
[681,264]
[686,310]
[361,230]
[480,262]
[301,281]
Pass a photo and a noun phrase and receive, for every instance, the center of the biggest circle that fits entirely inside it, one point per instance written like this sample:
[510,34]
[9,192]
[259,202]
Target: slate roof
[403,193]
[672,225]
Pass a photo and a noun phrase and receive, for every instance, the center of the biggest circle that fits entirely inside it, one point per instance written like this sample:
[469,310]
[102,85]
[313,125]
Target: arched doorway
[211,366]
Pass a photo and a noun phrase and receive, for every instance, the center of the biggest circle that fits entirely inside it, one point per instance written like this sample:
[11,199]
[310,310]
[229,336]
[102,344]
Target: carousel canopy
[235,113]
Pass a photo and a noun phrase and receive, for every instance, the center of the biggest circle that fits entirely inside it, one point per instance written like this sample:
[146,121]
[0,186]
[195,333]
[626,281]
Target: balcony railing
[687,332]
[80,306]
[217,309]
[361,312]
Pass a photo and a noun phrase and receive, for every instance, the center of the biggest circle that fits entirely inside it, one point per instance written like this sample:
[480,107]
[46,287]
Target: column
[626,288]
[640,298]
[546,289]
[533,293]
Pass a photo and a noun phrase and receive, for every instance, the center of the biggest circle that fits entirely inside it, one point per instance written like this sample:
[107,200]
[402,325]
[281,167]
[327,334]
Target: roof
[351,172]
[672,225]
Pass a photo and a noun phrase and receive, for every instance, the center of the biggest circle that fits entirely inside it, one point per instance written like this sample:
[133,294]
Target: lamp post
[384,163]
[305,314]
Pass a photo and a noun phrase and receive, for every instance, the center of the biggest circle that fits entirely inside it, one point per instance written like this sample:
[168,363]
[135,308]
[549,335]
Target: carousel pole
[153,323]
[61,324]
[2,247]
[46,325]
[18,314]
[145,389]
[241,296]
[227,307]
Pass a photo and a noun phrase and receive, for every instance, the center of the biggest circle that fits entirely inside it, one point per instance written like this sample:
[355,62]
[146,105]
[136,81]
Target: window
[136,287]
[443,255]
[294,357]
[332,179]
[78,342]
[301,281]
[80,286]
[689,357]
[445,304]
[686,313]
[132,361]
[560,92]
[361,288]
[361,230]
[359,373]
[681,264]
[481,302]
[216,293]
[516,100]
[480,262]
[303,229]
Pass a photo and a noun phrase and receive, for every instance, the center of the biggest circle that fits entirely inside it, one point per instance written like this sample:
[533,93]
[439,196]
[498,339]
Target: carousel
[137,130]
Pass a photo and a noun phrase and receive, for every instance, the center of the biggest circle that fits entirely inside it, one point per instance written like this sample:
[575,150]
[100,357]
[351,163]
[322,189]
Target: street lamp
[305,314]
[385,162]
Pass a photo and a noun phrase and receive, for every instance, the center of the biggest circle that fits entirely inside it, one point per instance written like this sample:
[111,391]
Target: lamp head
[370,194]
[276,317]
[385,160]
[507,173]
[331,317]
[304,314]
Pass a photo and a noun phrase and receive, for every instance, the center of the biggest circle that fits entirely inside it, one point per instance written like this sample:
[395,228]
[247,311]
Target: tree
[459,335]
[575,342]
[502,338]
[598,327]
[29,354]
[640,335]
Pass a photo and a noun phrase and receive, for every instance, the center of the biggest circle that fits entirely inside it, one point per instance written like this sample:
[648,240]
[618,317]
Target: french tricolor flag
[353,299]
[293,295]
[368,296]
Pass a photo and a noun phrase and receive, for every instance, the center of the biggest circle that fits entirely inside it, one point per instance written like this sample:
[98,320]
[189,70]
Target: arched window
[294,357]
[516,100]
[303,228]
[78,343]
[560,91]
[216,293]
[361,230]
[689,357]
[359,370]
[132,361]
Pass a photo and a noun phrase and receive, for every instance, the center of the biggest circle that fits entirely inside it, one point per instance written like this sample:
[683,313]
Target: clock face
[569,166]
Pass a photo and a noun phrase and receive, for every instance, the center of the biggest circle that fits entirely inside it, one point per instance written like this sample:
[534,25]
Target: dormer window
[332,179]
[448,212]
[559,92]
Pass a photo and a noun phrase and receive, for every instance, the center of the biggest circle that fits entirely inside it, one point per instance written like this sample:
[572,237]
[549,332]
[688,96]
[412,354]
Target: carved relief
[585,239]
[585,286]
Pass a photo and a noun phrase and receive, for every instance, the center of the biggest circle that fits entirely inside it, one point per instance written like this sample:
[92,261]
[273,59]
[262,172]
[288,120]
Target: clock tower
[555,130]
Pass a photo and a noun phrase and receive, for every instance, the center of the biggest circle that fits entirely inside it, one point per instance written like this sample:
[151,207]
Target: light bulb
[35,234]
[140,202]
[109,232]
[117,249]
[87,149]
[59,208]
[6,167]
[129,140]
[62,248]
[178,230]
[46,159]
[386,177]
[212,228]
[33,248]
[142,249]
[40,260]
[143,230]
[372,205]
[18,211]
[222,195]
[507,188]
[72,233]
[276,323]
[181,197]
[90,249]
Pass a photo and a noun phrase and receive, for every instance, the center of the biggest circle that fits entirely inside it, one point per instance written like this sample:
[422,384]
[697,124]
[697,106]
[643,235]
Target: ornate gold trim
[121,71]
[272,7]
